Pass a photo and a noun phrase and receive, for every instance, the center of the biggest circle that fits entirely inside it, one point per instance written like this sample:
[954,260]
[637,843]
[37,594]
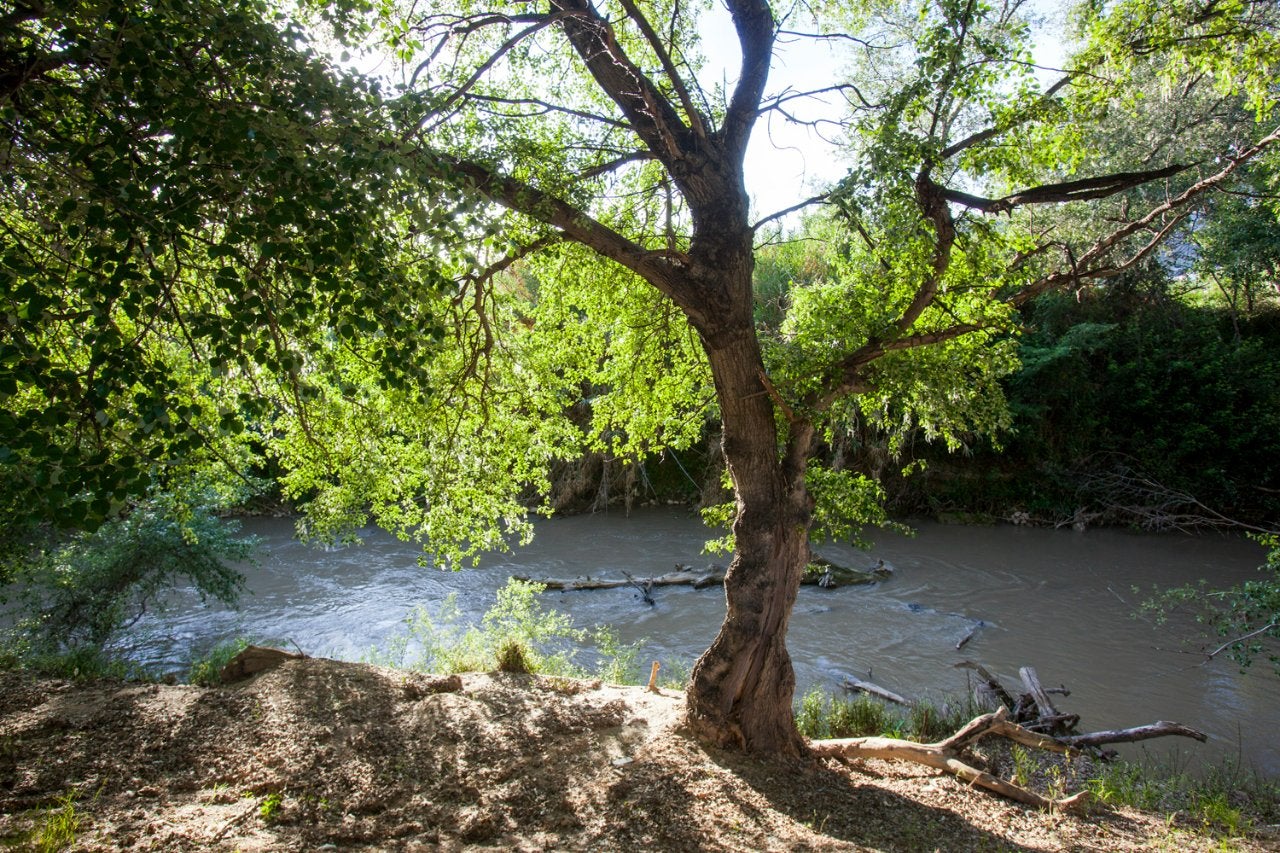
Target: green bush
[515,635]
[1128,397]
[74,599]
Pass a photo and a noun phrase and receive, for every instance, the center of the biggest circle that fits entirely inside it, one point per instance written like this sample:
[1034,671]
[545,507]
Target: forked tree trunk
[741,690]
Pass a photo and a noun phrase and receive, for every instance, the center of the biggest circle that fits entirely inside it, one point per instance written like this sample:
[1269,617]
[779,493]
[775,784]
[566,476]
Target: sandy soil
[322,755]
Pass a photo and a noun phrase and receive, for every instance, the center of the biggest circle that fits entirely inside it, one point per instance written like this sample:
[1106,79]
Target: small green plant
[1024,765]
[81,663]
[822,715]
[206,671]
[270,808]
[58,827]
[1218,815]
[515,635]
[619,664]
[674,673]
[512,658]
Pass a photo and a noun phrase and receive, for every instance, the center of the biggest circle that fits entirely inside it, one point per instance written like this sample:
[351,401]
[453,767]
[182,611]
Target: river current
[1061,601]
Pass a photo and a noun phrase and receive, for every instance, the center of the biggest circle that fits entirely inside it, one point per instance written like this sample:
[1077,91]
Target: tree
[578,200]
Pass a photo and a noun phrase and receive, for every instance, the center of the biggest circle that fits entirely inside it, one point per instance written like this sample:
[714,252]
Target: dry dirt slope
[319,754]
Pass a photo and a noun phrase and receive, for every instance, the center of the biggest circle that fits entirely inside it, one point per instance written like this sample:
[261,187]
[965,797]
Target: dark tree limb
[754,23]
[1084,189]
[695,118]
[650,114]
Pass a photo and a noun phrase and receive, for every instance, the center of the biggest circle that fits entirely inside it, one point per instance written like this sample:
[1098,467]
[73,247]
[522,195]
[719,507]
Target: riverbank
[319,752]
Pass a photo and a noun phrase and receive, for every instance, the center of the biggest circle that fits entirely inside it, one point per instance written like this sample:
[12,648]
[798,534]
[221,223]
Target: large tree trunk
[741,690]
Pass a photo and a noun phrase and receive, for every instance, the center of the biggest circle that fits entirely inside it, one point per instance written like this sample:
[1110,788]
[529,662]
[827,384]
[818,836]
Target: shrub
[515,635]
[73,599]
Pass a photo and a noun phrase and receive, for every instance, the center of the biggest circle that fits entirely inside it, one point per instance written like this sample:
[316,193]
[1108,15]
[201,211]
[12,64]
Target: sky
[787,163]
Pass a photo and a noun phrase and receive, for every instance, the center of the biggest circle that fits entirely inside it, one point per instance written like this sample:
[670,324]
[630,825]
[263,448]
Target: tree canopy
[222,254]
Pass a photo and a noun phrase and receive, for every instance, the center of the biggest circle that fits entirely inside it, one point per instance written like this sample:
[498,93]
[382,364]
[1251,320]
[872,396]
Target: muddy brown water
[1061,601]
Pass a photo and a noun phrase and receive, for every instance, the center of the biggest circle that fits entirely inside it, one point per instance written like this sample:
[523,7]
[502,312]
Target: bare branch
[476,76]
[668,66]
[817,199]
[793,95]
[547,107]
[616,163]
[1229,643]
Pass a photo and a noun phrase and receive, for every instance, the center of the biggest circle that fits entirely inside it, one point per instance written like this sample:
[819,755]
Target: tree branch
[1229,643]
[753,21]
[817,199]
[440,112]
[547,107]
[658,268]
[996,130]
[695,118]
[1084,189]
[651,116]
[1082,268]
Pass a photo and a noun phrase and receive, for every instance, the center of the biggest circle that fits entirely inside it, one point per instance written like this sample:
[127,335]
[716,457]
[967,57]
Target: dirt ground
[323,755]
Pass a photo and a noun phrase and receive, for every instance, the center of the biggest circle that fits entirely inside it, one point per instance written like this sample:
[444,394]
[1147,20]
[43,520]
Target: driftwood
[820,572]
[960,644]
[857,685]
[826,574]
[681,577]
[1032,682]
[946,755]
[1160,728]
[993,684]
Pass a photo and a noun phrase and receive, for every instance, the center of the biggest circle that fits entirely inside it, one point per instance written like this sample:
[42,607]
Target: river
[1061,601]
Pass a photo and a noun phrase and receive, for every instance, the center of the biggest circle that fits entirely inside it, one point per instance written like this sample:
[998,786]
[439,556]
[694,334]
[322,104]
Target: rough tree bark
[741,688]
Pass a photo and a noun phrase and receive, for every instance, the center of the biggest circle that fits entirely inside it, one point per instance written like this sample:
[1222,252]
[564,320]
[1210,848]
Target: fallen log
[857,685]
[826,574]
[1160,728]
[697,580]
[820,572]
[946,755]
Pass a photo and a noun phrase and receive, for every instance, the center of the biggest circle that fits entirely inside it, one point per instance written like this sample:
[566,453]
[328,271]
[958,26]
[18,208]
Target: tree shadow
[843,804]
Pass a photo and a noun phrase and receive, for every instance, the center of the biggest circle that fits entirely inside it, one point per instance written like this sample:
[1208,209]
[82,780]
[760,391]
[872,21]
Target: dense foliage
[1131,406]
[200,218]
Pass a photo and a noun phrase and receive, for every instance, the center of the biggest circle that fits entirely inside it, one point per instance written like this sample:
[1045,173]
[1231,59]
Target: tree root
[946,755]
